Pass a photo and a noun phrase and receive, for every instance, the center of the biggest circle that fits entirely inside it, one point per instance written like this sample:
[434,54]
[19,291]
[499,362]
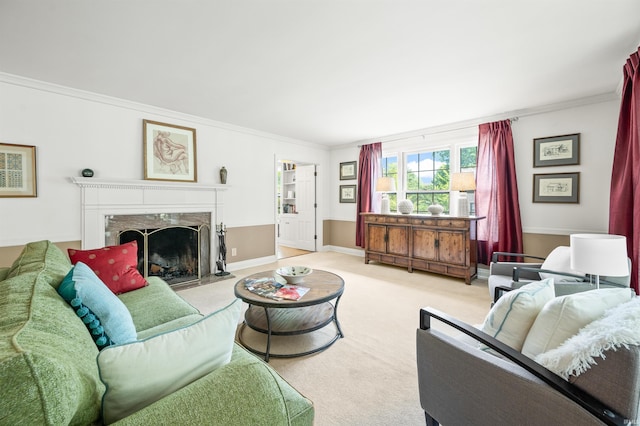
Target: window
[423,176]
[390,169]
[427,179]
[469,163]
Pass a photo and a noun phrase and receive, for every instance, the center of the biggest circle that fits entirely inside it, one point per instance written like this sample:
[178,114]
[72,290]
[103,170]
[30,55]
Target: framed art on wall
[347,193]
[18,171]
[169,152]
[348,170]
[556,188]
[556,151]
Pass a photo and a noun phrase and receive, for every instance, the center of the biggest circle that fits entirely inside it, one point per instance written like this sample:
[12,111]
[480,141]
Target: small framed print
[18,171]
[348,170]
[347,193]
[556,151]
[169,152]
[556,188]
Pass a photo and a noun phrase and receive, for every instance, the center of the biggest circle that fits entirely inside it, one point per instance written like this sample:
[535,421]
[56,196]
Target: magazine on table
[271,288]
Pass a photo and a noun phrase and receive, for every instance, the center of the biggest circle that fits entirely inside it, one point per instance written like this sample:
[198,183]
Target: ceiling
[325,71]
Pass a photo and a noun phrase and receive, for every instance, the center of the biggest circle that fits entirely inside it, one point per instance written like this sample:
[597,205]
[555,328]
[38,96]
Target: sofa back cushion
[47,358]
[563,316]
[513,314]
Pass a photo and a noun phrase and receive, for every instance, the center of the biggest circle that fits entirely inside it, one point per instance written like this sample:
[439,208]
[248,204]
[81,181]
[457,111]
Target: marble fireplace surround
[101,198]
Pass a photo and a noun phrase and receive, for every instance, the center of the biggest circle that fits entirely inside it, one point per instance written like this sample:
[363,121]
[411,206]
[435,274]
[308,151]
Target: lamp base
[463,205]
[384,205]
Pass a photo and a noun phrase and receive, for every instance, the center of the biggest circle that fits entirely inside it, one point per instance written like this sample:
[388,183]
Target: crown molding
[44,86]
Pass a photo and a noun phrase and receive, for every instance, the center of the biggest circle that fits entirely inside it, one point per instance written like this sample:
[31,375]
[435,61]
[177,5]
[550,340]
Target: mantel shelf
[145,184]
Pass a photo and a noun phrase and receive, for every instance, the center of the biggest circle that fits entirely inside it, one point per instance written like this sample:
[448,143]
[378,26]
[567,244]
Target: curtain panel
[624,201]
[368,171]
[497,192]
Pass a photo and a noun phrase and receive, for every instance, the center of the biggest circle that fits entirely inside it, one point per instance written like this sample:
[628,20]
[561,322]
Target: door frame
[278,160]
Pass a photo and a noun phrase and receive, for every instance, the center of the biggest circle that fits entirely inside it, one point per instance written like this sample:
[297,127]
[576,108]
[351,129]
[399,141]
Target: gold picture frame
[18,176]
[169,152]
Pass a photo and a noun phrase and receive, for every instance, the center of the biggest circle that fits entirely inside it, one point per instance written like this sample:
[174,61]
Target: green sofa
[49,372]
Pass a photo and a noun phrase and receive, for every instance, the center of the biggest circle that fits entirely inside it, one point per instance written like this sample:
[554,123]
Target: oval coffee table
[311,312]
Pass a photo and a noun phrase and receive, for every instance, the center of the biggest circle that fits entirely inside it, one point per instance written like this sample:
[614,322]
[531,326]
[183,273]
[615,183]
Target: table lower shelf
[270,334]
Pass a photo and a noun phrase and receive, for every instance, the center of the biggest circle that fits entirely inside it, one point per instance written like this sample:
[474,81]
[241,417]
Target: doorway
[296,208]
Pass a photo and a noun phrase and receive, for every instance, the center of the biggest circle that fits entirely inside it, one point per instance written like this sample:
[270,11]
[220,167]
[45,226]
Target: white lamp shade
[465,181]
[599,254]
[385,184]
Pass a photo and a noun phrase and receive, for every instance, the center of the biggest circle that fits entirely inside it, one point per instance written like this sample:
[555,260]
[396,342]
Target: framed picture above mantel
[556,151]
[169,152]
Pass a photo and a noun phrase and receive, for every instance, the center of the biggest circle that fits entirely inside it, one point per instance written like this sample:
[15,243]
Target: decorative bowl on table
[294,274]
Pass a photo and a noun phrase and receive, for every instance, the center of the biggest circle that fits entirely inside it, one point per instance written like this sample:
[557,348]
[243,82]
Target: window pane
[468,158]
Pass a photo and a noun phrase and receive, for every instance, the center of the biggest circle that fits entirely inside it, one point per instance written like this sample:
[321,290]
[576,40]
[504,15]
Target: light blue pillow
[145,371]
[106,317]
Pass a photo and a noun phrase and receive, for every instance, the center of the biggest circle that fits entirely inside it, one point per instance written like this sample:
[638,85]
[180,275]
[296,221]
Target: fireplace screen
[177,253]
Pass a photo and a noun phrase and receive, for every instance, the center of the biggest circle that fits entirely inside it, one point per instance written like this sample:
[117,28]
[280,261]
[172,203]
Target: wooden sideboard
[441,244]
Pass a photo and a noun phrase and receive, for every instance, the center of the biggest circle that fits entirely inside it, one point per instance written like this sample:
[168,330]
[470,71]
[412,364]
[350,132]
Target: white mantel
[105,197]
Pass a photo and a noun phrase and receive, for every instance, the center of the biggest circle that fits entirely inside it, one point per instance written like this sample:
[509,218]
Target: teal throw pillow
[106,317]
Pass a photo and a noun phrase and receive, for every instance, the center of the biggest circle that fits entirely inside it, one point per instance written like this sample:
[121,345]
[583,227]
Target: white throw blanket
[619,327]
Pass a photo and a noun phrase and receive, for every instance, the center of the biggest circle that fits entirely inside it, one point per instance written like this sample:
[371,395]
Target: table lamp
[385,184]
[599,254]
[463,182]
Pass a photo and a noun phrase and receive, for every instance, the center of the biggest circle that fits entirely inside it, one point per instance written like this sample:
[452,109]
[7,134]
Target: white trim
[344,250]
[557,231]
[243,264]
[461,125]
[44,86]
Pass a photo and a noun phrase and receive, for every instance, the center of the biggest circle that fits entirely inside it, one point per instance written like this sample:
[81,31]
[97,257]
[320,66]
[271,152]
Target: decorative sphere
[87,173]
[405,206]
[435,209]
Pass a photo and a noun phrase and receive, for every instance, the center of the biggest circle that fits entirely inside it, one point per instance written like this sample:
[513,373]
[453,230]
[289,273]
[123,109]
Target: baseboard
[345,250]
[250,263]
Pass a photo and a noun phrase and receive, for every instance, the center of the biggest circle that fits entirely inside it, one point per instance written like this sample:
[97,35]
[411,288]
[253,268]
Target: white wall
[597,124]
[74,130]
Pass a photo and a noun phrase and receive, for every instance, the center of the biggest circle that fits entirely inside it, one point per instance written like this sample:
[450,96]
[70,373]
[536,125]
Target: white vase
[405,206]
[435,209]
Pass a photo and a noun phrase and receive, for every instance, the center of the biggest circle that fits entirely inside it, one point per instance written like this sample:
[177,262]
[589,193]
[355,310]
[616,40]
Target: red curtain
[497,192]
[624,202]
[368,171]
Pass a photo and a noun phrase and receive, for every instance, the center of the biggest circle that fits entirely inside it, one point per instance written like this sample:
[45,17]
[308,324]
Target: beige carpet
[369,376]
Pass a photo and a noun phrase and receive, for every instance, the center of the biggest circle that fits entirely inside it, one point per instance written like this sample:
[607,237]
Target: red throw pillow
[114,265]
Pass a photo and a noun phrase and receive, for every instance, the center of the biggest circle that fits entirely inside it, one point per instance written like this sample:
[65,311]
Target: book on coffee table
[269,287]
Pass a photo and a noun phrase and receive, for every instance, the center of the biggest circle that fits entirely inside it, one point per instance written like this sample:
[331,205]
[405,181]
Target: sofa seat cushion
[137,374]
[106,317]
[244,392]
[563,316]
[155,304]
[47,359]
[169,326]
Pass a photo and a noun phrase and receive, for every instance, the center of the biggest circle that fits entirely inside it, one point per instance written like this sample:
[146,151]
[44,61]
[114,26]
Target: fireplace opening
[177,254]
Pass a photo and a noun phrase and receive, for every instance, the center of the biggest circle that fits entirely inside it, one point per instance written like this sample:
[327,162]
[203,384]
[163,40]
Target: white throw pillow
[619,327]
[139,373]
[563,316]
[560,260]
[513,314]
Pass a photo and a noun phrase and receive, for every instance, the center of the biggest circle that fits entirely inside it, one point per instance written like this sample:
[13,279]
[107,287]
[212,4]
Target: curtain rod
[453,129]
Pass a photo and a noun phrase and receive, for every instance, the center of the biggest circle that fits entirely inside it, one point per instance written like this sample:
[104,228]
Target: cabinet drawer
[452,223]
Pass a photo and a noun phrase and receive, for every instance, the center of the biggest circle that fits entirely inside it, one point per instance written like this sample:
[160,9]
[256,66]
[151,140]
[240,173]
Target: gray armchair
[505,275]
[460,384]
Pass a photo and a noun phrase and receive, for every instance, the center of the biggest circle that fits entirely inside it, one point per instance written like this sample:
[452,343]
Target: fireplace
[172,246]
[171,221]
